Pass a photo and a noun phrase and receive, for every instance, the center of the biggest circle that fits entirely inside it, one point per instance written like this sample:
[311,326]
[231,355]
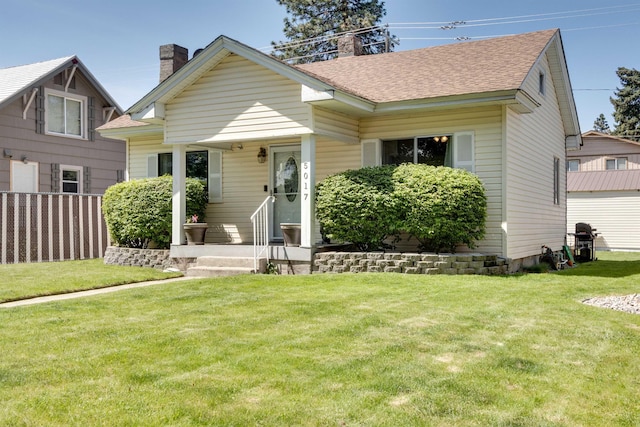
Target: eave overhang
[126,133]
[516,99]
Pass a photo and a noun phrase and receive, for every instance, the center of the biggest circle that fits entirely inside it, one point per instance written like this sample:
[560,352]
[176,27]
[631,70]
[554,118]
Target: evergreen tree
[324,21]
[627,104]
[601,124]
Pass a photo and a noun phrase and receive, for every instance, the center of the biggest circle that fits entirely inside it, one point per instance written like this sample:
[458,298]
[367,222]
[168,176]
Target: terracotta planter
[195,232]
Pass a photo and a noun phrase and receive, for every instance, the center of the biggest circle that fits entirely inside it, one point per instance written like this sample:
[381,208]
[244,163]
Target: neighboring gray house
[48,115]
[603,189]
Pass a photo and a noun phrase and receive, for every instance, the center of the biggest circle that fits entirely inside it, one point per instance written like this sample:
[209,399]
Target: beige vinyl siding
[139,150]
[237,100]
[532,142]
[335,125]
[244,180]
[486,125]
[613,213]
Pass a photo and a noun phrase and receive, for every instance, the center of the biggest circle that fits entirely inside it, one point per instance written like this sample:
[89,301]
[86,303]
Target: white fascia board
[504,97]
[524,103]
[308,94]
[153,113]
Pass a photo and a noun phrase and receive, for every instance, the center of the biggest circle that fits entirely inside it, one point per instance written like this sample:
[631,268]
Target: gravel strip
[627,303]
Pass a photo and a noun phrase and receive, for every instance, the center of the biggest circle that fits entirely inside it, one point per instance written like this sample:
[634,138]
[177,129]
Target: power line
[515,19]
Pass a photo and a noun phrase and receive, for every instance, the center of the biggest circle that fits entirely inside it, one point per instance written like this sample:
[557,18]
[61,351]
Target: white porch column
[179,200]
[308,211]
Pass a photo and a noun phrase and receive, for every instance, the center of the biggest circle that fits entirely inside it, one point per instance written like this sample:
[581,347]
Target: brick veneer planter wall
[408,263]
[155,258]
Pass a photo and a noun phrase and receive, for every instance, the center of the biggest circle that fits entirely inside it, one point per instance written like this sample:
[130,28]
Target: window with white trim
[65,114]
[71,179]
[617,163]
[206,166]
[453,150]
[573,165]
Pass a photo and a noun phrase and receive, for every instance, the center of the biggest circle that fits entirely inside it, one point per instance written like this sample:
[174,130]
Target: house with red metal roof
[268,131]
[603,189]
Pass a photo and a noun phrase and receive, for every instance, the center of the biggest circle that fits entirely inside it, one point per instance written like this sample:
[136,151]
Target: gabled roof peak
[15,80]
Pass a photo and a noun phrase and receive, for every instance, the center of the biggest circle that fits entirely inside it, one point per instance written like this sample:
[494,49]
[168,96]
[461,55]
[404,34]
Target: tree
[325,21]
[601,125]
[627,104]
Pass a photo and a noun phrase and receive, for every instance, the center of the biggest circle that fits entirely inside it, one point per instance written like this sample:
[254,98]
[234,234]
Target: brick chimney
[172,58]
[349,45]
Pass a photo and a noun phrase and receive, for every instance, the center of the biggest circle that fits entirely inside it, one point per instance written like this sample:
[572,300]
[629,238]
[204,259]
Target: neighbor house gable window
[573,165]
[452,150]
[617,163]
[65,114]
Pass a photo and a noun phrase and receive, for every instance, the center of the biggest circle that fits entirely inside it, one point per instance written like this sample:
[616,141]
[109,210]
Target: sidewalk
[80,294]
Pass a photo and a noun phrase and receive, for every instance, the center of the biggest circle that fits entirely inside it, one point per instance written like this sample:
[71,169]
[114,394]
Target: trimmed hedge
[138,212]
[357,206]
[440,206]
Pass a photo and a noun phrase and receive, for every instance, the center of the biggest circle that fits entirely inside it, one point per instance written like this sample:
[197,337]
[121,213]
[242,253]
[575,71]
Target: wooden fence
[37,227]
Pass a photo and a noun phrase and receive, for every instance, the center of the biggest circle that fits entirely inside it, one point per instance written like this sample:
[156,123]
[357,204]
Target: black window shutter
[40,98]
[86,180]
[119,175]
[92,118]
[55,177]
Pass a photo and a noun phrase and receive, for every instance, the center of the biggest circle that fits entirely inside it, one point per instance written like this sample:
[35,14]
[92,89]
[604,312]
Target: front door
[285,185]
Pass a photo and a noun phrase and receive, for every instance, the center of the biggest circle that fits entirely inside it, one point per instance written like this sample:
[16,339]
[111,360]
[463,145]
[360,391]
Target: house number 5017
[305,180]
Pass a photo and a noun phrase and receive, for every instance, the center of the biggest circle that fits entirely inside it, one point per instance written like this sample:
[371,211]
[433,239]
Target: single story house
[503,107]
[48,115]
[603,189]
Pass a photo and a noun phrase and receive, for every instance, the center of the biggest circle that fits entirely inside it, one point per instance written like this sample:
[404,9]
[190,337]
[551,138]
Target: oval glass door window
[291,179]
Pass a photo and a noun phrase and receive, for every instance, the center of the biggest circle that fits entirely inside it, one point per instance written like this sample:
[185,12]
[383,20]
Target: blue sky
[118,40]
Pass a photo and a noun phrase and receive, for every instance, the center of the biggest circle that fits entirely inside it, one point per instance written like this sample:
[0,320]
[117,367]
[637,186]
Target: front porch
[285,259]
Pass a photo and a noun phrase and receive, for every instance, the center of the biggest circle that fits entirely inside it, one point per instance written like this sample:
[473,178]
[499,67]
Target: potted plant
[195,231]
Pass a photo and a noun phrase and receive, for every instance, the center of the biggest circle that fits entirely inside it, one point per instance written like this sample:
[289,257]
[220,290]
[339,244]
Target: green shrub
[357,206]
[138,212]
[440,206]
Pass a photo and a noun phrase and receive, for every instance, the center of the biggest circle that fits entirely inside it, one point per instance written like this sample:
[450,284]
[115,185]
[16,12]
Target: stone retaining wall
[408,263]
[155,258]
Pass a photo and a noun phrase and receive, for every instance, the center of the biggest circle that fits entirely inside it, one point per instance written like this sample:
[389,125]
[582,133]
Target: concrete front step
[203,271]
[215,266]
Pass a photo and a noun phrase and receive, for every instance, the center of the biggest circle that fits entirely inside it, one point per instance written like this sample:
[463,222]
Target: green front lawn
[18,281]
[355,350]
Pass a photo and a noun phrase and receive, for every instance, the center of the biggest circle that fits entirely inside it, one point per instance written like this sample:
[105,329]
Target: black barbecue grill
[584,248]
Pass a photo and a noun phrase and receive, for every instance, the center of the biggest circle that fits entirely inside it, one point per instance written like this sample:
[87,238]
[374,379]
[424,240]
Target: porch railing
[37,227]
[260,221]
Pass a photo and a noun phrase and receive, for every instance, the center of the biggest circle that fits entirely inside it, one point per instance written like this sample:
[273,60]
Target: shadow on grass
[604,268]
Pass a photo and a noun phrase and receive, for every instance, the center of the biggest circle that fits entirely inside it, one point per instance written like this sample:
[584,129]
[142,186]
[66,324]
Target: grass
[21,281]
[365,349]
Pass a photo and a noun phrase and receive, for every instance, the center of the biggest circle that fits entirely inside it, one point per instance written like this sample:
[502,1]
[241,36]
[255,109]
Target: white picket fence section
[37,227]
